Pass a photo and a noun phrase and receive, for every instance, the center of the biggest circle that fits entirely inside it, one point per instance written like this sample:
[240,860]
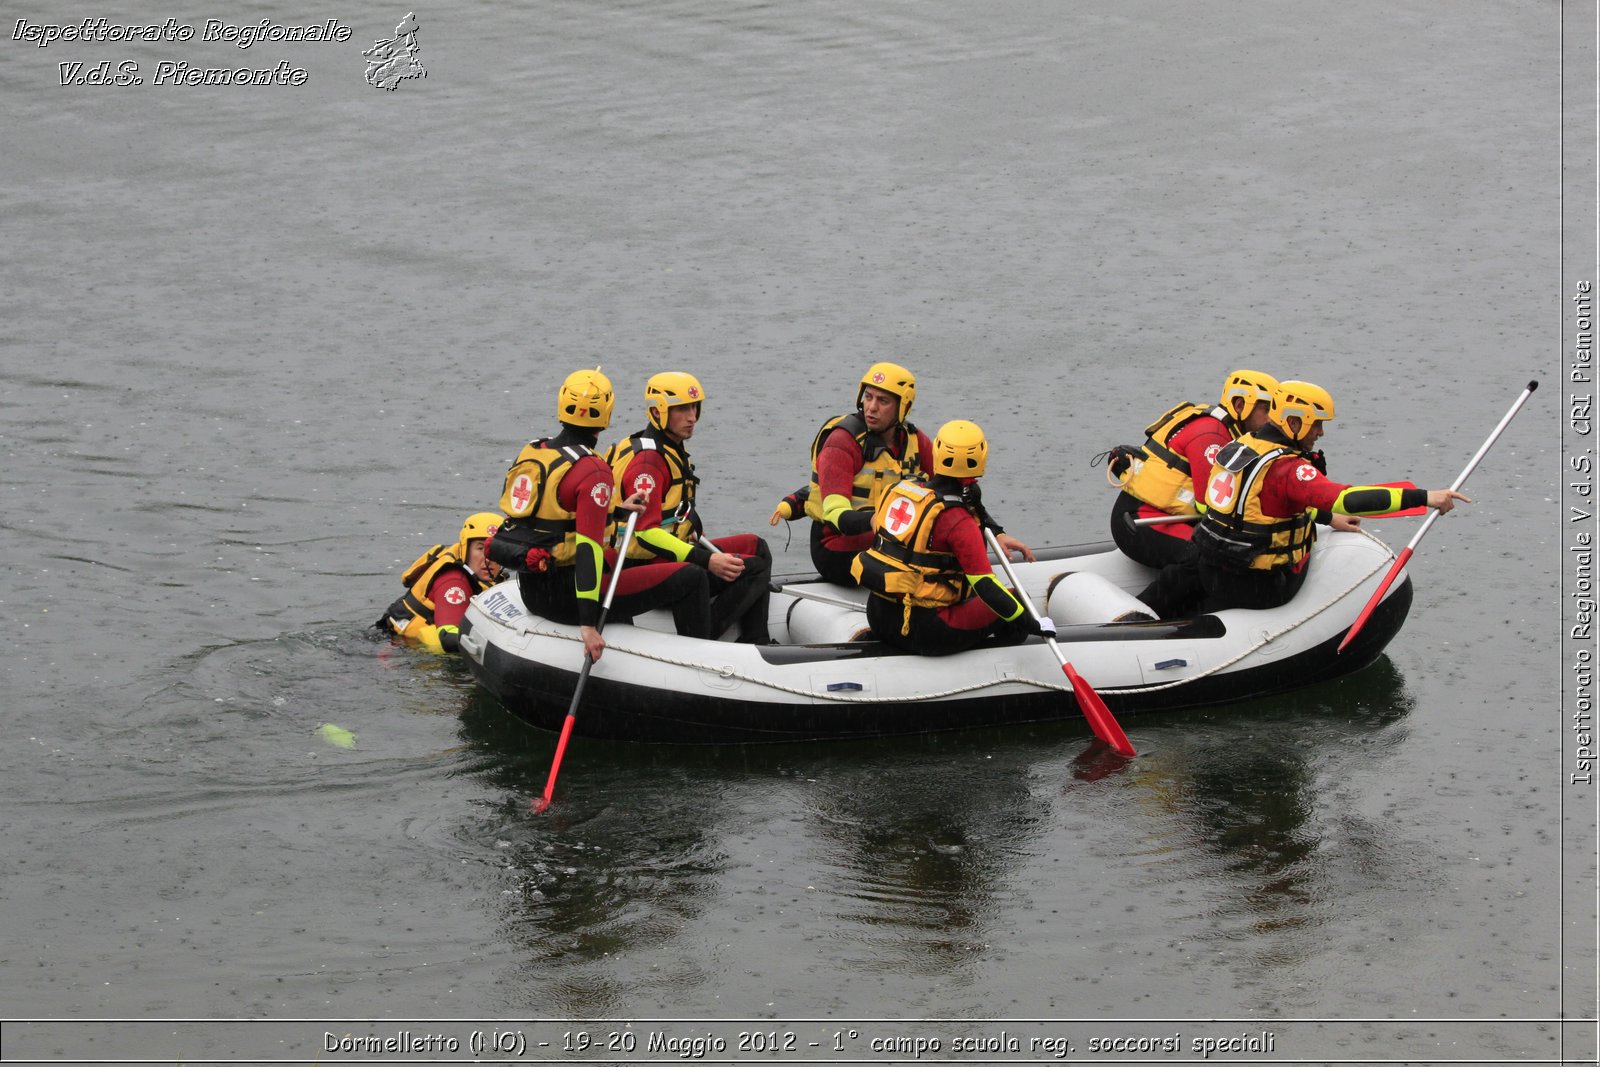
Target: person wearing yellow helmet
[558,497]
[855,459]
[655,463]
[932,588]
[1157,478]
[1265,496]
[439,584]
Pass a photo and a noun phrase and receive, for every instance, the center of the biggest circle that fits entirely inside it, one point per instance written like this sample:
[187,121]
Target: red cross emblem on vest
[521,492]
[1221,489]
[900,518]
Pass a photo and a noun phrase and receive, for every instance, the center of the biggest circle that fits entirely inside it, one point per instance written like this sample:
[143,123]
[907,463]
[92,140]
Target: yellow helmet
[476,528]
[1253,386]
[960,450]
[668,390]
[891,378]
[1300,400]
[585,399]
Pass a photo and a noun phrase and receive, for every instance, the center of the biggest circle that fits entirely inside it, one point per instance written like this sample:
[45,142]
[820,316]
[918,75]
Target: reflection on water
[906,856]
[918,849]
[621,863]
[894,854]
[1256,841]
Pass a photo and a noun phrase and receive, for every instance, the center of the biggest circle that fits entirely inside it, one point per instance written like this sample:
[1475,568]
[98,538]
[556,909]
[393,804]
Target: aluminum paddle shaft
[1399,565]
[1101,721]
[820,598]
[588,664]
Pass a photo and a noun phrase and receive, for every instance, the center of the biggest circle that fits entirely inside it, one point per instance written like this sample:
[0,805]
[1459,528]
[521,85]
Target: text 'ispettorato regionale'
[243,34]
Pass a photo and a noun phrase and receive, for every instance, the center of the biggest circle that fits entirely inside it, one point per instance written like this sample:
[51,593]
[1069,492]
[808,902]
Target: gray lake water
[261,345]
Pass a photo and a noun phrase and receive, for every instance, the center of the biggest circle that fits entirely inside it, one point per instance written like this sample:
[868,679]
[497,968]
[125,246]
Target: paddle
[1399,564]
[820,598]
[583,675]
[1165,520]
[1101,721]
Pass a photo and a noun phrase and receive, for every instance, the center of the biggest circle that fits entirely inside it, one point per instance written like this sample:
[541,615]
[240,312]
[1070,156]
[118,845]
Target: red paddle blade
[1395,568]
[1101,721]
[561,748]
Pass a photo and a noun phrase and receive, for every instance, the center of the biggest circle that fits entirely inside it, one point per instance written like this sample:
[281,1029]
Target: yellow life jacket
[1161,476]
[413,611]
[1234,531]
[900,565]
[529,498]
[676,497]
[880,468]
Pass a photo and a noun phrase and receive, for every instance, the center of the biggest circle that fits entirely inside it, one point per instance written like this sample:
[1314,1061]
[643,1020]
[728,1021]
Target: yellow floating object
[336,735]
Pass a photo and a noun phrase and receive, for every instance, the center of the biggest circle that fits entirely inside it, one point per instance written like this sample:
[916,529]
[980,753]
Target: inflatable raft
[826,678]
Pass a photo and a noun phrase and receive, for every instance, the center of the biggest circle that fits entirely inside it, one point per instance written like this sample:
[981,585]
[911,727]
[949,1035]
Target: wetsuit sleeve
[838,461]
[1200,447]
[963,537]
[647,473]
[649,470]
[449,592]
[591,495]
[1377,499]
[1307,487]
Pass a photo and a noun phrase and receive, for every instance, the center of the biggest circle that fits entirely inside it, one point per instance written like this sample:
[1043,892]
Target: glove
[537,561]
[790,507]
[855,522]
[1044,627]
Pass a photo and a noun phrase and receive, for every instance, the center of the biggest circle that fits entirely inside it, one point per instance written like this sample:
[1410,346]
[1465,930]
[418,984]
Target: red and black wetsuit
[1292,485]
[745,599]
[991,609]
[838,462]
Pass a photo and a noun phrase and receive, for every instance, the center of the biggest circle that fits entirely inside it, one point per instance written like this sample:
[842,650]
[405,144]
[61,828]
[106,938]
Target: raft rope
[726,671]
[1274,635]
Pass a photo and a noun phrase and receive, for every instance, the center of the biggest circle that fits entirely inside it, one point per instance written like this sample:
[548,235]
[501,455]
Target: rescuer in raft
[932,589]
[855,459]
[655,464]
[1265,496]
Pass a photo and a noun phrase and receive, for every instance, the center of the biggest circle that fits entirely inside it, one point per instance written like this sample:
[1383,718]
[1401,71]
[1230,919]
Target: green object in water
[336,735]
